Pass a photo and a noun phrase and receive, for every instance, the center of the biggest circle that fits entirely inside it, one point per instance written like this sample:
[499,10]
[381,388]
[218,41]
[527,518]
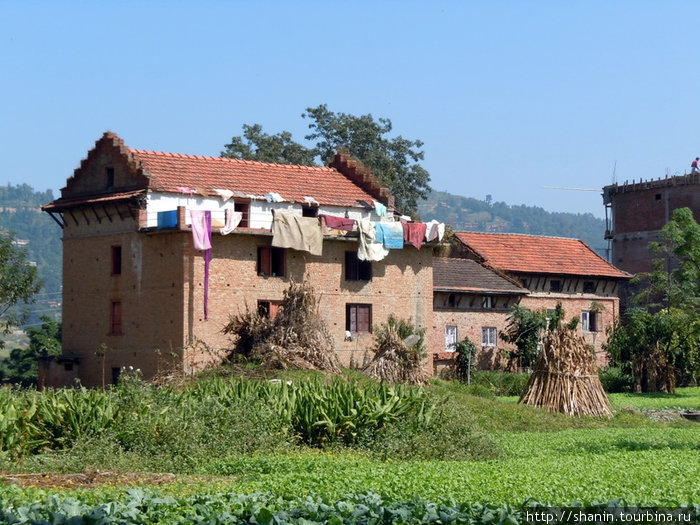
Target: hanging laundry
[201,234]
[201,229]
[299,233]
[273,197]
[441,231]
[224,194]
[203,192]
[414,233]
[390,234]
[311,201]
[379,208]
[368,249]
[185,189]
[431,230]
[338,223]
[233,219]
[207,260]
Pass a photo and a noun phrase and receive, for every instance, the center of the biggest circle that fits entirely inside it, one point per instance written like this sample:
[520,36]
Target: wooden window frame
[115,318]
[355,269]
[244,208]
[487,341]
[352,322]
[272,261]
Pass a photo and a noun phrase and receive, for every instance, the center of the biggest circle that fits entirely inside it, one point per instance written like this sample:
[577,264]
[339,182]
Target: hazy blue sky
[508,97]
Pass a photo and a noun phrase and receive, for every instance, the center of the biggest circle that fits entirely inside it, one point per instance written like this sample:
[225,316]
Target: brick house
[548,270]
[470,301]
[134,283]
[637,212]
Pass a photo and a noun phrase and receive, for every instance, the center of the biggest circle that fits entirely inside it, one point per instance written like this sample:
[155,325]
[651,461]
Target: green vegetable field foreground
[478,461]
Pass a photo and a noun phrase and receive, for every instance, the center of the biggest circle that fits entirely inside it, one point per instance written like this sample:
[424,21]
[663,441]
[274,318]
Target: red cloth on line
[414,233]
[339,223]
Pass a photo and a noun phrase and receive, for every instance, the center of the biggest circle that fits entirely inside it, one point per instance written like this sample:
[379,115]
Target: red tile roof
[167,171]
[532,254]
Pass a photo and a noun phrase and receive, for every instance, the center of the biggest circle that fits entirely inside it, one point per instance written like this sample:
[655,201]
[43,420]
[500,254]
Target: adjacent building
[551,270]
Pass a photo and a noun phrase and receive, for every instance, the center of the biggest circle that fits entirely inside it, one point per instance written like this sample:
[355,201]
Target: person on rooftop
[694,166]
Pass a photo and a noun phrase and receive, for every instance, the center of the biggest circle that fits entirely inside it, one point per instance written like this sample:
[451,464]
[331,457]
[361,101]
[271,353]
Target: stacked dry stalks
[565,377]
[297,338]
[394,361]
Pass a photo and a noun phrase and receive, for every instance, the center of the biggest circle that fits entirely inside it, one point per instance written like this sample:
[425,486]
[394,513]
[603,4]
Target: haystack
[297,338]
[394,361]
[565,377]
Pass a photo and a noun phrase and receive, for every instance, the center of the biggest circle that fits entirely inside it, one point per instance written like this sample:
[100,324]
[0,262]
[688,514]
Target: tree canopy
[659,339]
[394,160]
[18,279]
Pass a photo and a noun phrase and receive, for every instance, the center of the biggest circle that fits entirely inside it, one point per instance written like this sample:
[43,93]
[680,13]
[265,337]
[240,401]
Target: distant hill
[468,214]
[36,232]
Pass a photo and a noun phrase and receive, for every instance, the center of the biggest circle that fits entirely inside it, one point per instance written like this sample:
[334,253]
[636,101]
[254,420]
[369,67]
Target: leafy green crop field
[536,456]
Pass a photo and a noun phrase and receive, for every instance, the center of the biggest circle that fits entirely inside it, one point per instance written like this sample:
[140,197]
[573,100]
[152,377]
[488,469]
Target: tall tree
[659,341]
[394,160]
[18,279]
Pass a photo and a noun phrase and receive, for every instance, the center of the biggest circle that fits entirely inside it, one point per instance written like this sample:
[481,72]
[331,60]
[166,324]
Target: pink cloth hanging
[201,229]
[201,234]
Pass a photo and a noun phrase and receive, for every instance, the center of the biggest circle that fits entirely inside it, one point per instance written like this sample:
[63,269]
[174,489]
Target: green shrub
[614,380]
[501,383]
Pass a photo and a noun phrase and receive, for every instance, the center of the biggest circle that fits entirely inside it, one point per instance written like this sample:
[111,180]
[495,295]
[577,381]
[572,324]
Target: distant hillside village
[161,248]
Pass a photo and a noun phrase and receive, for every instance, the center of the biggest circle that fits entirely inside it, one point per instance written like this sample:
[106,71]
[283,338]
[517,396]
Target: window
[355,269]
[555,285]
[115,318]
[450,338]
[109,178]
[116,372]
[269,309]
[488,336]
[244,208]
[589,321]
[358,317]
[271,261]
[488,302]
[589,286]
[116,260]
[452,300]
[309,211]
[657,197]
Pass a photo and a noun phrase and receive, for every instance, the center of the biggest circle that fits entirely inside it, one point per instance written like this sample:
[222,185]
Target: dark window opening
[589,321]
[109,178]
[68,367]
[358,318]
[309,211]
[657,197]
[589,287]
[116,372]
[269,309]
[555,286]
[244,208]
[271,261]
[355,269]
[116,260]
[116,318]
[488,302]
[452,300]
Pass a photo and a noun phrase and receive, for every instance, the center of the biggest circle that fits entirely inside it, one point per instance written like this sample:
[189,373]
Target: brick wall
[149,289]
[401,285]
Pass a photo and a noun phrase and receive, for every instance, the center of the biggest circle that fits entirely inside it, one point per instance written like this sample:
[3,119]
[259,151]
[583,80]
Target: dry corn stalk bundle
[395,362]
[565,377]
[297,338]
